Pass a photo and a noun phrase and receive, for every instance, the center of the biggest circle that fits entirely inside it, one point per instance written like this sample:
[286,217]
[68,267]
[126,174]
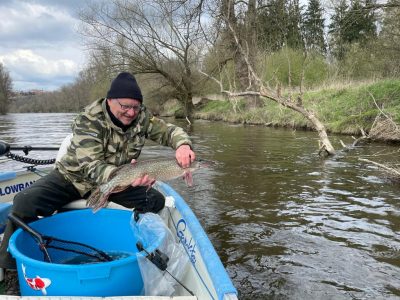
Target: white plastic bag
[151,232]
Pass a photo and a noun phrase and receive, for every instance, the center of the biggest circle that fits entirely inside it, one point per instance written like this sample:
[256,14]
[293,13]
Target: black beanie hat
[125,86]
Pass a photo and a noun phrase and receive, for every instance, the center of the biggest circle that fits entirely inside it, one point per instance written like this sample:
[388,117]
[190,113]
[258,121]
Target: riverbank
[344,109]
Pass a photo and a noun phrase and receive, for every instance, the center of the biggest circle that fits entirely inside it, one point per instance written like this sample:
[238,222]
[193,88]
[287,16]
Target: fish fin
[100,203]
[188,178]
[95,209]
[97,199]
[103,200]
[93,197]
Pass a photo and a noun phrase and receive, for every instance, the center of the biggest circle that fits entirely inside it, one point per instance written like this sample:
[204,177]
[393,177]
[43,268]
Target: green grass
[217,106]
[343,108]
[347,109]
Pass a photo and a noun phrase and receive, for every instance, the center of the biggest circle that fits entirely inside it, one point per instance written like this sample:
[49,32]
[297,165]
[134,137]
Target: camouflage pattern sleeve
[87,142]
[167,134]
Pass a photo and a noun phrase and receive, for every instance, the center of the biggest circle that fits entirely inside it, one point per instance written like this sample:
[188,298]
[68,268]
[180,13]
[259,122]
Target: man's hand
[144,181]
[184,155]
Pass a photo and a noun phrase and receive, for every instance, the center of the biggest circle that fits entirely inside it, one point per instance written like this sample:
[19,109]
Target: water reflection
[286,224]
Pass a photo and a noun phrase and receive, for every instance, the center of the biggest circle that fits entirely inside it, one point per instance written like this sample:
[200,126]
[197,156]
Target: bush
[361,62]
[277,66]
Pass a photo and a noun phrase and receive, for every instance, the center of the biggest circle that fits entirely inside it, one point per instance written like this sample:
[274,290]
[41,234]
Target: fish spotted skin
[122,177]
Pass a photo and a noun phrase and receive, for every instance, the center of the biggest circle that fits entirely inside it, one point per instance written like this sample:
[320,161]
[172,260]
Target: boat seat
[81,203]
[63,147]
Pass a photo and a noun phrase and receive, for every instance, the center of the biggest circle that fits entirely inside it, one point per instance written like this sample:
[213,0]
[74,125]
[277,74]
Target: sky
[40,46]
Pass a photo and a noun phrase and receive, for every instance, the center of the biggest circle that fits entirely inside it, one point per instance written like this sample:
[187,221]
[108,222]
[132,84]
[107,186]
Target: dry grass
[339,84]
[384,129]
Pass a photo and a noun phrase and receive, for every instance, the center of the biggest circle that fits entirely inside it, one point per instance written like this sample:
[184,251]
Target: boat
[206,277]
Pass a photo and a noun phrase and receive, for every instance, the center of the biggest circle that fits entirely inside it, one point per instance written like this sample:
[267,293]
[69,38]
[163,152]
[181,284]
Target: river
[286,223]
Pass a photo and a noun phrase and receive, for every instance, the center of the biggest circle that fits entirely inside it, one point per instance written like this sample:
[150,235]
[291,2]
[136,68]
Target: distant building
[37,92]
[28,93]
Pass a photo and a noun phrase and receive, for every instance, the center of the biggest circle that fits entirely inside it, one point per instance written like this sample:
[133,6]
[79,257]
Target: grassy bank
[343,108]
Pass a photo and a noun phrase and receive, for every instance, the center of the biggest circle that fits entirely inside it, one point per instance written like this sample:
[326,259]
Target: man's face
[125,109]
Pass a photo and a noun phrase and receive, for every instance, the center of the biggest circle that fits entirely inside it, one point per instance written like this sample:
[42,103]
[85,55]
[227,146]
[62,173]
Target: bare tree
[5,89]
[265,91]
[388,4]
[150,37]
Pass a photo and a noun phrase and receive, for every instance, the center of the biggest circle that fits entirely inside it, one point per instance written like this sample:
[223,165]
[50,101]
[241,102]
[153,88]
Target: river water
[286,223]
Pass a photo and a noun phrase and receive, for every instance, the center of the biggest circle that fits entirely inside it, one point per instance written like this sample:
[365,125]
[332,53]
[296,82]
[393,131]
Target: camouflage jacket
[98,146]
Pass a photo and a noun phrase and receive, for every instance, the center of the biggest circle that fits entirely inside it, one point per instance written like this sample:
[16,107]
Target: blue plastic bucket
[108,230]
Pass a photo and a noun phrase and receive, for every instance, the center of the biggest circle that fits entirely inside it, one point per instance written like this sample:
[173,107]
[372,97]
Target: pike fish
[122,177]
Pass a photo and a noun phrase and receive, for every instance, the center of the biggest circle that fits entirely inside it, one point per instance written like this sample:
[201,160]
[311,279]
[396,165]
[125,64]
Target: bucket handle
[17,221]
[36,235]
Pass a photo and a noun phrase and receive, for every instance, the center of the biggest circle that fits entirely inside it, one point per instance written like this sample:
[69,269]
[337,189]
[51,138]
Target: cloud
[25,24]
[39,44]
[28,66]
[71,6]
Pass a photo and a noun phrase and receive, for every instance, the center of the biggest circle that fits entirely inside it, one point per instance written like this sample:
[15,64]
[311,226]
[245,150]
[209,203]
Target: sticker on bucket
[36,283]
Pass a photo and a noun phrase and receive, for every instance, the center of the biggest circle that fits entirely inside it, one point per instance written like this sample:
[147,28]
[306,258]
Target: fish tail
[93,197]
[97,199]
[102,202]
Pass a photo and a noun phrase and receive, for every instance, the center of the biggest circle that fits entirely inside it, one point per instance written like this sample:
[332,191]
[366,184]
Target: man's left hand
[185,156]
[143,181]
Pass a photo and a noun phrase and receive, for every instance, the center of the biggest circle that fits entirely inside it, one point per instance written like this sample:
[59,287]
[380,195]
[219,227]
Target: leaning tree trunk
[326,145]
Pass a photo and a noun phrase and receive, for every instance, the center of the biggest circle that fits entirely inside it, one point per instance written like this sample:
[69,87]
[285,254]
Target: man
[109,133]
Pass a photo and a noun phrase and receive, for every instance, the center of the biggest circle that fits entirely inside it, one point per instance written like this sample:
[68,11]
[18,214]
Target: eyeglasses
[136,108]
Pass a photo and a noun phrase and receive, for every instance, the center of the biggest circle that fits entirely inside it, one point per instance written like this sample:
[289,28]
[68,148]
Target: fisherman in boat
[109,133]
